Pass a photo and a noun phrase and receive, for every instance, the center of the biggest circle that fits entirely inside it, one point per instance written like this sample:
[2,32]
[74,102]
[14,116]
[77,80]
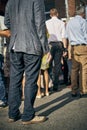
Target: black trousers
[56,49]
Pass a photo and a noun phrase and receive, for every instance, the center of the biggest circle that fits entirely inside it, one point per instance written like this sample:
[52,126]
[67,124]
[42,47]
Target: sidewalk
[63,112]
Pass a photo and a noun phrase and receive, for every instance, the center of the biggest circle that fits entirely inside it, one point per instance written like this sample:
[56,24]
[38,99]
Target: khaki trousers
[79,68]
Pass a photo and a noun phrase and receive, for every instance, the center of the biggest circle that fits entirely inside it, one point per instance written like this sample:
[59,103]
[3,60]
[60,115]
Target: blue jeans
[20,63]
[2,84]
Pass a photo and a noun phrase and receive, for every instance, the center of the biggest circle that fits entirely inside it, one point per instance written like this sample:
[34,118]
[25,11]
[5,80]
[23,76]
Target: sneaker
[38,96]
[47,94]
[3,104]
[55,89]
[82,95]
[74,94]
[36,119]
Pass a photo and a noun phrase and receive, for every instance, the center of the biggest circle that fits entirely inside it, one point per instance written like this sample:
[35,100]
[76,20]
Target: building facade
[66,8]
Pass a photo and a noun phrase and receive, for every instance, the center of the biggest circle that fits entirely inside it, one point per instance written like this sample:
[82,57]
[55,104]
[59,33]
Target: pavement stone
[63,113]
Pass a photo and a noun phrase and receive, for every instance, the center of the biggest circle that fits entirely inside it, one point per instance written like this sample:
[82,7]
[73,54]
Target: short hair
[80,10]
[53,12]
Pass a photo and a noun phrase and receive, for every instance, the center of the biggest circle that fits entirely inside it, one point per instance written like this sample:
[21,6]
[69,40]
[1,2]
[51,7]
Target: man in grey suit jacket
[26,21]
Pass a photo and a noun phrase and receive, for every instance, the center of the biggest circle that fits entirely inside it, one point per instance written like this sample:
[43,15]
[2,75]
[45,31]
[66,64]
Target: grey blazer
[26,20]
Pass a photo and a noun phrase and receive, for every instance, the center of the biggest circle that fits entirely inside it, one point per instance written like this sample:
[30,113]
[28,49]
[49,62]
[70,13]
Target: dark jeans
[65,70]
[20,63]
[2,83]
[56,52]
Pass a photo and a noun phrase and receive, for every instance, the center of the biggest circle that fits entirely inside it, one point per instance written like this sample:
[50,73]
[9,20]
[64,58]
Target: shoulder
[60,21]
[71,20]
[1,18]
[48,21]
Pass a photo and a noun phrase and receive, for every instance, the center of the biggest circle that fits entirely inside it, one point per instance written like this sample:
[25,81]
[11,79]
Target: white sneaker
[1,102]
[38,96]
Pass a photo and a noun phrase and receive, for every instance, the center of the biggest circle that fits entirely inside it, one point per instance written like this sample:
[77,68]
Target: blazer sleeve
[39,16]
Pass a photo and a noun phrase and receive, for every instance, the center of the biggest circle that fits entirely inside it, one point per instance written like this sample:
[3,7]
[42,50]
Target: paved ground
[63,112]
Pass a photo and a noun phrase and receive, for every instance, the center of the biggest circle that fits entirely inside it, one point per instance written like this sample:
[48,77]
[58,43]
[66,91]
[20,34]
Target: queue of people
[33,55]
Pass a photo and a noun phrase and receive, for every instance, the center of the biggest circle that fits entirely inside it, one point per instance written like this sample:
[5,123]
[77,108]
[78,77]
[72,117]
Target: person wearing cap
[76,32]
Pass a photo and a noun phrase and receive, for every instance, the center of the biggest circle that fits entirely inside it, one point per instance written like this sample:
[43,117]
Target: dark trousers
[65,71]
[2,82]
[20,63]
[56,52]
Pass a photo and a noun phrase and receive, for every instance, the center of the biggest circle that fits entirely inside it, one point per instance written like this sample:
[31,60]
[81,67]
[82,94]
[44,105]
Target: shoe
[74,94]
[3,104]
[82,95]
[55,89]
[10,120]
[47,94]
[36,119]
[39,96]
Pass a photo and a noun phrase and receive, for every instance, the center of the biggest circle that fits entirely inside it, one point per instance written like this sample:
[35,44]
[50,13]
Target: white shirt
[2,39]
[56,29]
[76,30]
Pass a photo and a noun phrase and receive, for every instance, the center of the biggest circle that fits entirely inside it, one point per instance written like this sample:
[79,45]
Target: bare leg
[23,85]
[39,87]
[46,81]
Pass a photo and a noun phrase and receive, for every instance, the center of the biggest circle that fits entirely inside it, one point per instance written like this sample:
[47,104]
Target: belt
[83,44]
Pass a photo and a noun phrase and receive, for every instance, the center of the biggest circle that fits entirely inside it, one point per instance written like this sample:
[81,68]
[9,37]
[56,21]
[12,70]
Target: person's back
[75,30]
[25,24]
[56,31]
[55,27]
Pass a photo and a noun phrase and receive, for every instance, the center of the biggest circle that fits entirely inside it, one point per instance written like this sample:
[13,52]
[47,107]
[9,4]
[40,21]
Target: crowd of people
[39,48]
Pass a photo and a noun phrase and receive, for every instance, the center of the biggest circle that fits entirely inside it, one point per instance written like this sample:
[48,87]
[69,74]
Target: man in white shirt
[77,34]
[57,40]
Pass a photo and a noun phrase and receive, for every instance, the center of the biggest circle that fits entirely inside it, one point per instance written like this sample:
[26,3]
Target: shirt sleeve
[2,26]
[84,29]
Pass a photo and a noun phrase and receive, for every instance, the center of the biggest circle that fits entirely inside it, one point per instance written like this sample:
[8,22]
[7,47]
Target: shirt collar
[54,17]
[78,16]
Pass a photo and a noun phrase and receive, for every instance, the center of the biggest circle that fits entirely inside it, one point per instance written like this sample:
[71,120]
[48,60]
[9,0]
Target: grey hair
[80,10]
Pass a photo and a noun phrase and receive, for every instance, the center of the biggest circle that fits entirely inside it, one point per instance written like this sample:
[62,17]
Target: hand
[7,33]
[49,57]
[65,54]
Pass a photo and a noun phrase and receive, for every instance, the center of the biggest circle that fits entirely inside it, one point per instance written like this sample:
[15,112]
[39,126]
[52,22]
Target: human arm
[5,33]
